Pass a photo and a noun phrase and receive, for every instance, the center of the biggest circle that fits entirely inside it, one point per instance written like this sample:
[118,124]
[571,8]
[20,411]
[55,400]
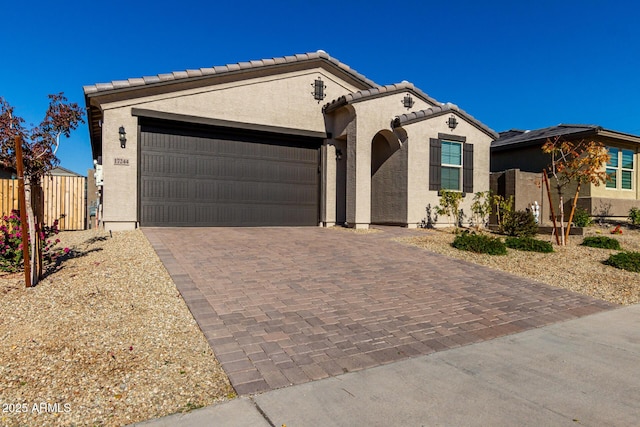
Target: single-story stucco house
[517,161]
[294,140]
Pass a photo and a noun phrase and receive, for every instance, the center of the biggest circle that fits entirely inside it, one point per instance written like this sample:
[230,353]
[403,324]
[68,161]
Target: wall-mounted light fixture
[452,122]
[123,137]
[318,89]
[338,154]
[407,101]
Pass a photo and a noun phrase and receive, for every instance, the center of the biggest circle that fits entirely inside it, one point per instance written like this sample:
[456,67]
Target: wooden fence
[64,200]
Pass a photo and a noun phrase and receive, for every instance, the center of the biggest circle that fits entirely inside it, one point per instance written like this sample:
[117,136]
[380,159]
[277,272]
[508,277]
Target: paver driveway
[283,306]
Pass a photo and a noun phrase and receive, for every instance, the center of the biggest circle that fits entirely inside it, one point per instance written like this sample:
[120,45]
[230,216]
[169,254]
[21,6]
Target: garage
[202,175]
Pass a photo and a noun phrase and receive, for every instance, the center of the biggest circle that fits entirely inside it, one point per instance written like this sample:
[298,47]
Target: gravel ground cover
[106,340]
[574,267]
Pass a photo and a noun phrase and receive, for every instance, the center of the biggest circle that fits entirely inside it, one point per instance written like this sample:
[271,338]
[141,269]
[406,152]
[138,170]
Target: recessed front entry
[388,180]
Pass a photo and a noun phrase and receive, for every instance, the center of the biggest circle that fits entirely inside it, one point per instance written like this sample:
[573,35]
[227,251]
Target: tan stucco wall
[120,188]
[419,134]
[284,100]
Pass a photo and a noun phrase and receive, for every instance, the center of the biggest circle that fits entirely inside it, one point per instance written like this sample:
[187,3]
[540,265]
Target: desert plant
[431,218]
[634,216]
[520,224]
[581,218]
[528,244]
[481,208]
[503,208]
[629,261]
[450,206]
[602,242]
[479,243]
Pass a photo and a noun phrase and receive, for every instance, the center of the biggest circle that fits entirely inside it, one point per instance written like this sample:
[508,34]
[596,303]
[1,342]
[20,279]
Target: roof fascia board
[161,115]
[626,137]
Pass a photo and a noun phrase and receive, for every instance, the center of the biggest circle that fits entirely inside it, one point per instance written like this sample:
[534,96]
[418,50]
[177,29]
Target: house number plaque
[121,162]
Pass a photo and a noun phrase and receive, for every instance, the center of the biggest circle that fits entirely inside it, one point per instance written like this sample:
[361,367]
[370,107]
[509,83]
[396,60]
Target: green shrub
[479,243]
[634,216]
[520,224]
[629,261]
[528,244]
[581,218]
[602,242]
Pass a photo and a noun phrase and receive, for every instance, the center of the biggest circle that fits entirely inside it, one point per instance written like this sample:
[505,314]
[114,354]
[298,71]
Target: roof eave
[447,109]
[381,91]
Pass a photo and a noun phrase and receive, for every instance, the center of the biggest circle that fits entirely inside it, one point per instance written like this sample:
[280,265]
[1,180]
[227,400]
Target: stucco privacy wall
[418,135]
[283,100]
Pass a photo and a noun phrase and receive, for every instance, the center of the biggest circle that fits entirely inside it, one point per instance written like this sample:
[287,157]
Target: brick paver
[283,306]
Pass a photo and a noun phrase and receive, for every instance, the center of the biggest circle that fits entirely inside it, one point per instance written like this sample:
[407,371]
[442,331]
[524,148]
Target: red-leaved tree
[39,146]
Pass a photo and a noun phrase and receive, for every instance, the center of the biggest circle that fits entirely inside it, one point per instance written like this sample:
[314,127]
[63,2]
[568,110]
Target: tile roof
[376,92]
[439,110]
[224,69]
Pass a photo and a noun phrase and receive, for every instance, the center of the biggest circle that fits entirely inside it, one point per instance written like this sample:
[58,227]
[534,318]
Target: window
[620,168]
[451,162]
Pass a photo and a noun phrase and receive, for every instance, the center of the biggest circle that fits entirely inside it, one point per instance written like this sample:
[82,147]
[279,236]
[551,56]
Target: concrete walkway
[579,372]
[285,306]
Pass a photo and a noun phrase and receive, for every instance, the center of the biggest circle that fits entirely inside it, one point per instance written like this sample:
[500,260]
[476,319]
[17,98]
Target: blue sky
[510,64]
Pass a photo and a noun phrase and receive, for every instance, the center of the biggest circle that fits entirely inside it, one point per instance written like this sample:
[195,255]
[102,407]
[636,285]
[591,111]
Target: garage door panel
[199,178]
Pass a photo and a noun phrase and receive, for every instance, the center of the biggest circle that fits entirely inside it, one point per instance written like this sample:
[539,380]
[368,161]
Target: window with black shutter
[450,164]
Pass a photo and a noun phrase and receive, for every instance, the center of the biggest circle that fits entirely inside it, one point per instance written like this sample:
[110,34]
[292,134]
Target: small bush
[528,244]
[520,224]
[629,261]
[479,243]
[634,216]
[11,244]
[602,242]
[581,218]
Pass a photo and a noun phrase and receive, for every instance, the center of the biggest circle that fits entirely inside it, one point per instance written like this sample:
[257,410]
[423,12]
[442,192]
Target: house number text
[121,162]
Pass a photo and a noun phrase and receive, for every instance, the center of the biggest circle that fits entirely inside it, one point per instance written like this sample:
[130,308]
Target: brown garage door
[194,175]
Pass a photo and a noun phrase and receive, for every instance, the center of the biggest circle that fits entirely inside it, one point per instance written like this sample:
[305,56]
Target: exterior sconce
[123,137]
[452,122]
[338,154]
[407,101]
[318,89]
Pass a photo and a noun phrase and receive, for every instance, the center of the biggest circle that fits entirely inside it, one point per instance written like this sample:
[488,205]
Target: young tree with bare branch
[578,162]
[39,146]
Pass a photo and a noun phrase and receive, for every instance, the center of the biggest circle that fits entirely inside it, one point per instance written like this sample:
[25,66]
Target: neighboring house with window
[294,140]
[517,161]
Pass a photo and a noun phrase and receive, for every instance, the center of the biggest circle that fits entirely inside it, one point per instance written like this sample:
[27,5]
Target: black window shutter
[467,168]
[435,160]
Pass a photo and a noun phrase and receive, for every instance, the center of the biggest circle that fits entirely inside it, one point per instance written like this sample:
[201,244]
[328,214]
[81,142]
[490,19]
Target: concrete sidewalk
[580,372]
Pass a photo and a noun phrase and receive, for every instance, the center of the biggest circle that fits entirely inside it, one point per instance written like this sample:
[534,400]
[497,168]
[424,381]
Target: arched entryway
[388,179]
